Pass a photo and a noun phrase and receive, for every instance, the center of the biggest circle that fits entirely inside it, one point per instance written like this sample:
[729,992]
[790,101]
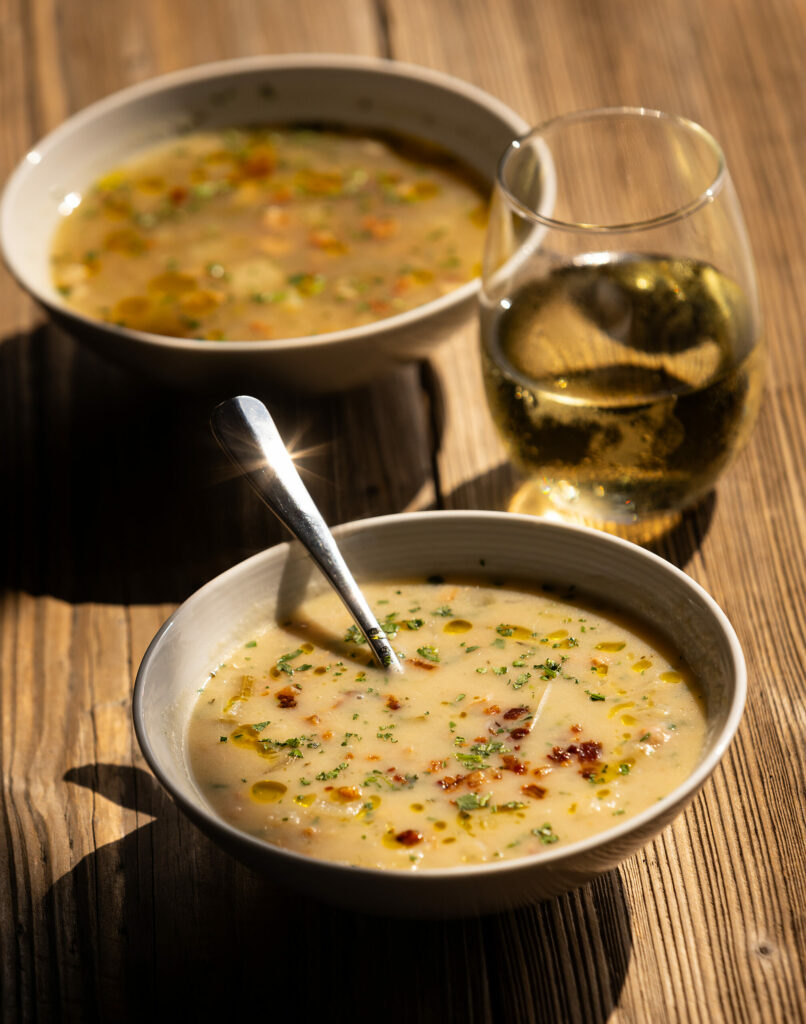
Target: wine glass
[621,338]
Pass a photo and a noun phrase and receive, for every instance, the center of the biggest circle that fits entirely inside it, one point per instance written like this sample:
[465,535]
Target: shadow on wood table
[122,496]
[162,924]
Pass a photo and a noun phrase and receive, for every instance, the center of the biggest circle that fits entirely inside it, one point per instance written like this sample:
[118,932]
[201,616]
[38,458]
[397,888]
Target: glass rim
[705,196]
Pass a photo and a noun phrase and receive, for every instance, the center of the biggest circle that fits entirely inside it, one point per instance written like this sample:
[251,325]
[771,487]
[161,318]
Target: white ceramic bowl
[485,544]
[357,92]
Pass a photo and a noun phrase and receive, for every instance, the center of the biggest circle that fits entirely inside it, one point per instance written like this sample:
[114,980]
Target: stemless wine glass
[621,340]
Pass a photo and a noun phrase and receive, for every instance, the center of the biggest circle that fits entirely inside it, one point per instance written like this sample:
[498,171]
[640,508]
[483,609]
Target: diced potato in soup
[522,721]
[253,234]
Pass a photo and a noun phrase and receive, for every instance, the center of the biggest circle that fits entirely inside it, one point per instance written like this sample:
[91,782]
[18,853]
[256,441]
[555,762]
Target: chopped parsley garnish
[545,834]
[251,643]
[413,624]
[472,801]
[444,611]
[324,776]
[471,761]
[504,630]
[354,636]
[428,652]
[595,696]
[550,669]
[522,680]
[624,768]
[282,662]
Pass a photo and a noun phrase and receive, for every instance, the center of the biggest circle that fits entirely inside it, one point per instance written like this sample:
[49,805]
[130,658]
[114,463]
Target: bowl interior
[352,91]
[483,545]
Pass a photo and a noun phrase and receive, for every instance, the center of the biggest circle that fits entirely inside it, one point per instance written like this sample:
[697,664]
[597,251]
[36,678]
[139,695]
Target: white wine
[623,385]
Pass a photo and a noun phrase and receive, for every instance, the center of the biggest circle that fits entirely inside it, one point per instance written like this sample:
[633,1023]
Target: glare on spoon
[247,433]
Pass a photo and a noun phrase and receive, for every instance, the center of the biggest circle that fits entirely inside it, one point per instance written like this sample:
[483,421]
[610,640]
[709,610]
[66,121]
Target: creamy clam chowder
[523,720]
[264,233]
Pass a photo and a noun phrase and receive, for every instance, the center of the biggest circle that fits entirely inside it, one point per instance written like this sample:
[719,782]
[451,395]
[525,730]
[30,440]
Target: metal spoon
[246,432]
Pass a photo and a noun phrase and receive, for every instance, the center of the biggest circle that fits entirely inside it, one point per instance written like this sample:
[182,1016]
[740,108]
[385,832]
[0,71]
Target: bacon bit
[450,781]
[493,709]
[282,194]
[514,713]
[409,838]
[309,832]
[576,729]
[275,218]
[380,227]
[393,703]
[347,794]
[543,770]
[286,698]
[520,733]
[590,750]
[327,241]
[328,735]
[533,790]
[475,779]
[178,194]
[373,757]
[421,664]
[313,719]
[349,756]
[260,162]
[436,766]
[513,764]
[382,306]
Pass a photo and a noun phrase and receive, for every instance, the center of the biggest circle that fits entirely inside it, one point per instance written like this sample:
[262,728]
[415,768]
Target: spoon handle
[247,433]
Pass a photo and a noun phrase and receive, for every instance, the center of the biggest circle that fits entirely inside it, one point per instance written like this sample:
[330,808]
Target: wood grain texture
[117,505]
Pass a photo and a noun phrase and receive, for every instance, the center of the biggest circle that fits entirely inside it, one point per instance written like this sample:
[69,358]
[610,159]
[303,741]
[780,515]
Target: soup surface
[270,233]
[521,722]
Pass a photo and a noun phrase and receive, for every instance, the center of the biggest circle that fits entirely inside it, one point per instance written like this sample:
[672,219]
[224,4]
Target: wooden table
[112,907]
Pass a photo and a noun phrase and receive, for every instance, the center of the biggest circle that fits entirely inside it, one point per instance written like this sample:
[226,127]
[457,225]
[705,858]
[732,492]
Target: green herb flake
[472,801]
[595,696]
[428,652]
[333,773]
[545,834]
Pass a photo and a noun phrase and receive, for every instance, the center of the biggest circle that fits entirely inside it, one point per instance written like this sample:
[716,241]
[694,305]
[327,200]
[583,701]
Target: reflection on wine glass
[621,340]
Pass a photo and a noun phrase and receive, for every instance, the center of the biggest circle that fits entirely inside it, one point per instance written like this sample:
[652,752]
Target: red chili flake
[516,713]
[533,790]
[421,664]
[512,764]
[286,698]
[393,703]
[409,837]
